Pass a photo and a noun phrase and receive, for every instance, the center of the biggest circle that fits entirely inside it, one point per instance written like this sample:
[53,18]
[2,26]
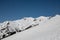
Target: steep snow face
[13,26]
[42,28]
[3,25]
[50,24]
[49,30]
[24,23]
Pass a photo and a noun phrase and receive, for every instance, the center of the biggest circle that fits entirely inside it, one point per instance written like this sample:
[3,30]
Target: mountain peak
[43,23]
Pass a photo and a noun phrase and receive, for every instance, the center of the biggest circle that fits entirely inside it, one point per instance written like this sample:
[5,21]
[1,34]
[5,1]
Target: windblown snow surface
[42,28]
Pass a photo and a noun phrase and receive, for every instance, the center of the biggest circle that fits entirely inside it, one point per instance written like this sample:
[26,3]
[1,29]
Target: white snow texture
[41,28]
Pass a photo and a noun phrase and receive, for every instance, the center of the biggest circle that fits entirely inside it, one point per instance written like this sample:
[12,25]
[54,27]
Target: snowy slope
[47,29]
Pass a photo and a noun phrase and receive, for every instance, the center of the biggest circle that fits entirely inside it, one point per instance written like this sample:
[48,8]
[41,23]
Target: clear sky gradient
[16,9]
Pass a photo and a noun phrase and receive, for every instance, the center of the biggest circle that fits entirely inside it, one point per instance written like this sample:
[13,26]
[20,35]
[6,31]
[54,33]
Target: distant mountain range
[29,28]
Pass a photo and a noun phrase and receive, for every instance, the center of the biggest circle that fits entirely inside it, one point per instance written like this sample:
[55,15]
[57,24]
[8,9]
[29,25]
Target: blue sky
[16,9]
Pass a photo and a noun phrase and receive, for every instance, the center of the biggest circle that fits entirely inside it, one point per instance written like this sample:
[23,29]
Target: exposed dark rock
[28,27]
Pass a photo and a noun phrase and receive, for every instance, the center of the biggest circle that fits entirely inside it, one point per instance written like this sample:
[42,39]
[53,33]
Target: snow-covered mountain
[28,28]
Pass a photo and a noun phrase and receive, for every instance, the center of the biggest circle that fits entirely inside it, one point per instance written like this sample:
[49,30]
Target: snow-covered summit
[38,26]
[25,22]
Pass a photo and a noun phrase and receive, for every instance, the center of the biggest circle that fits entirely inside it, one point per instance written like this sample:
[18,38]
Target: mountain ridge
[40,24]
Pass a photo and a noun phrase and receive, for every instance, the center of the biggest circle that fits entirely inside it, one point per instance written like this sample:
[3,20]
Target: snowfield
[41,28]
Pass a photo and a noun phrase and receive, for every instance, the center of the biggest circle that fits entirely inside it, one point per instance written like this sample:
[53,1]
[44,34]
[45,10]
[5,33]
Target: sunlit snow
[29,28]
